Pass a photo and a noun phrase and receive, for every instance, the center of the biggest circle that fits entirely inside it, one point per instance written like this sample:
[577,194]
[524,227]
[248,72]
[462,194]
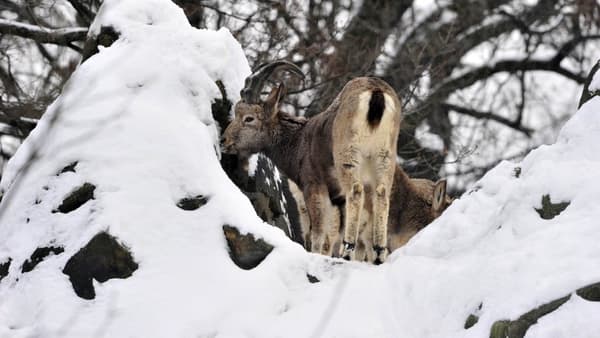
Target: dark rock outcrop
[473,318]
[590,293]
[312,279]
[192,203]
[101,259]
[39,255]
[246,251]
[4,269]
[68,168]
[471,321]
[517,328]
[77,198]
[550,210]
[517,172]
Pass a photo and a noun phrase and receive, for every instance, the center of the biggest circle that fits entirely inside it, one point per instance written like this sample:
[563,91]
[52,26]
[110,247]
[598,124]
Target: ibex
[414,203]
[346,152]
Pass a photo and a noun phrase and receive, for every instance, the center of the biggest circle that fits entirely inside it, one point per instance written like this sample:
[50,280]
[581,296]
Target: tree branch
[568,47]
[356,51]
[510,66]
[60,36]
[516,125]
[86,15]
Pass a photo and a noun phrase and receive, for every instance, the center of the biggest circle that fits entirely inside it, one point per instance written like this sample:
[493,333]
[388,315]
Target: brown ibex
[414,203]
[331,156]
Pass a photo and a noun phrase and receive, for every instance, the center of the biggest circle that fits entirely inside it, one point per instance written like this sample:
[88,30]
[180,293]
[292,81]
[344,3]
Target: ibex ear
[439,195]
[272,102]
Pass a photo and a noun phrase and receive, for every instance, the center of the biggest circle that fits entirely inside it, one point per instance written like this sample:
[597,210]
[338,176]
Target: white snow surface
[136,118]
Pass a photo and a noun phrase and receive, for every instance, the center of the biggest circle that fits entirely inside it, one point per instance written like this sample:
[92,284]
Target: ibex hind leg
[354,203]
[333,230]
[323,220]
[361,254]
[348,166]
[381,203]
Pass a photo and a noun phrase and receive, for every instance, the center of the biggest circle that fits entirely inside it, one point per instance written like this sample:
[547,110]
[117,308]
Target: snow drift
[134,123]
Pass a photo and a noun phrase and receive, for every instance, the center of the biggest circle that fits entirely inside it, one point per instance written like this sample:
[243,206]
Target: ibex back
[332,157]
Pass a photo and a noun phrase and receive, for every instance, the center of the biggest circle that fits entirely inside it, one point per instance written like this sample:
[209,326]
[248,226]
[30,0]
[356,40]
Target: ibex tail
[376,108]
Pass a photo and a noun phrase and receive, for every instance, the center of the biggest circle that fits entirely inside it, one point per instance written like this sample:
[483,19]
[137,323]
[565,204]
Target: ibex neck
[284,150]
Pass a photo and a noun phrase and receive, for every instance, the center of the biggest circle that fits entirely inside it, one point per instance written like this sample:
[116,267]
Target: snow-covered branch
[59,36]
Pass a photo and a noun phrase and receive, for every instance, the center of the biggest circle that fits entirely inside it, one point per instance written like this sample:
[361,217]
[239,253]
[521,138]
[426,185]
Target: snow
[136,118]
[568,320]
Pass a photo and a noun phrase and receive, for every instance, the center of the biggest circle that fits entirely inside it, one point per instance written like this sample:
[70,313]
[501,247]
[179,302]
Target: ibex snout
[228,148]
[228,142]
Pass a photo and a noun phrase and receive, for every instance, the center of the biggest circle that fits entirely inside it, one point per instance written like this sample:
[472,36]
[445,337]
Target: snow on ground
[136,118]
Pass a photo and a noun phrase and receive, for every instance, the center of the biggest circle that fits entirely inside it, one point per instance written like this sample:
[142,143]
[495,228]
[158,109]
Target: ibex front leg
[381,202]
[324,219]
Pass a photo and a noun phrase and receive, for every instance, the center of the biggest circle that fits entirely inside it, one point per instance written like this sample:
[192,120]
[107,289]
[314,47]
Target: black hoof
[347,257]
[377,261]
[348,246]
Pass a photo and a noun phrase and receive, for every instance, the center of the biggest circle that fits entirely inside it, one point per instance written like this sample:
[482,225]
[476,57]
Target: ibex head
[251,129]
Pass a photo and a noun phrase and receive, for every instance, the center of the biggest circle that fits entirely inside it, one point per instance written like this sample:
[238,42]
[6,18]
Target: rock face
[101,259]
[245,250]
[4,269]
[192,203]
[517,328]
[550,210]
[590,293]
[38,256]
[77,198]
[471,320]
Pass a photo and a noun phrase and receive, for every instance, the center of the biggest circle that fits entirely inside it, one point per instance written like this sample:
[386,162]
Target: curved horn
[255,82]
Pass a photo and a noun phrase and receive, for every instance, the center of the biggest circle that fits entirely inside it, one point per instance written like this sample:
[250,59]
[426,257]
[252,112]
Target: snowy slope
[136,118]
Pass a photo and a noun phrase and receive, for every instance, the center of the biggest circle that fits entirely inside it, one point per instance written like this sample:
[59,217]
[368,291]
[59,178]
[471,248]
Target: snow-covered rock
[135,124]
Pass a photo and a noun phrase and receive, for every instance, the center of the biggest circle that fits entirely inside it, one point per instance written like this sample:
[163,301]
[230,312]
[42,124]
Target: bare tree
[481,80]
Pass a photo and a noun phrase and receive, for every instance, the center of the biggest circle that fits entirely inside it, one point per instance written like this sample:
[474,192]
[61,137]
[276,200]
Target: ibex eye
[248,119]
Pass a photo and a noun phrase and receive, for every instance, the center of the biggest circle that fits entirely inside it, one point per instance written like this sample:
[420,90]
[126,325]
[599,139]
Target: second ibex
[332,156]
